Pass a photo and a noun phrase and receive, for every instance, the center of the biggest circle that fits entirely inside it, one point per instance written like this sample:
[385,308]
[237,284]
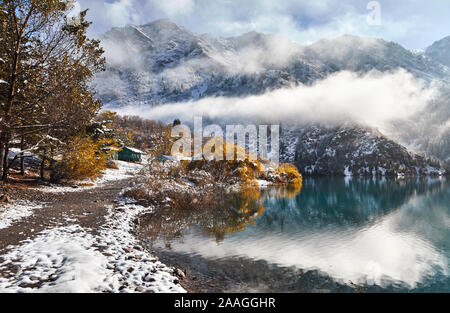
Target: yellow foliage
[85,158]
[247,208]
[290,174]
[164,144]
[248,174]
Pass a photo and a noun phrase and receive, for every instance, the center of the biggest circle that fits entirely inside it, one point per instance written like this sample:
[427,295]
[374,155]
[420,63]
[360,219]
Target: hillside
[440,51]
[161,62]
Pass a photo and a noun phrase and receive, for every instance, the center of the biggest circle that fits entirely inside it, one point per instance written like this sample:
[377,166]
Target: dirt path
[86,207]
[79,240]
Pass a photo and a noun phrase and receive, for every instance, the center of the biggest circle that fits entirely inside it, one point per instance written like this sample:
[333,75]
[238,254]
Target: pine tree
[46,68]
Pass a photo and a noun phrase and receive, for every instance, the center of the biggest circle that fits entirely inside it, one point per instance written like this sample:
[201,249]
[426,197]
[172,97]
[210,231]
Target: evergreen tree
[46,67]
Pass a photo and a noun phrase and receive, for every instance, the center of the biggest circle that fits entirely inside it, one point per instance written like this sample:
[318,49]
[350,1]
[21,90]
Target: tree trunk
[51,162]
[2,153]
[22,160]
[44,152]
[5,163]
[6,133]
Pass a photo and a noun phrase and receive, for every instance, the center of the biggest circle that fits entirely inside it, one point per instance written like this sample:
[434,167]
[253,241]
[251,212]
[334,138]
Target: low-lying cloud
[374,99]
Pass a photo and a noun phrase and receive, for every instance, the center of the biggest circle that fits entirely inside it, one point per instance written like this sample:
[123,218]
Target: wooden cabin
[128,154]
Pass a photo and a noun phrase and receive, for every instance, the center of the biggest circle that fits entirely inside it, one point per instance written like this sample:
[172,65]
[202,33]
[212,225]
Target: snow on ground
[62,259]
[347,172]
[69,259]
[430,170]
[138,269]
[264,183]
[126,170]
[12,213]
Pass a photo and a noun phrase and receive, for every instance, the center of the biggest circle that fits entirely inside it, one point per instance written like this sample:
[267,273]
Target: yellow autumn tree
[84,158]
[290,174]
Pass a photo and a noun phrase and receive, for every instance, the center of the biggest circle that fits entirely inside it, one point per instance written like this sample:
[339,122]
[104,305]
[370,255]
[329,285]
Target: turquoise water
[382,235]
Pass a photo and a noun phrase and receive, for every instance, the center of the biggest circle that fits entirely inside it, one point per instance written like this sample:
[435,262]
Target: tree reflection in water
[226,214]
[318,203]
[383,234]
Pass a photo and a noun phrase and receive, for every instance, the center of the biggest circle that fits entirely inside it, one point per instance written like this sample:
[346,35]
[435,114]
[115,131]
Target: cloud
[374,99]
[175,7]
[120,12]
[410,22]
[364,255]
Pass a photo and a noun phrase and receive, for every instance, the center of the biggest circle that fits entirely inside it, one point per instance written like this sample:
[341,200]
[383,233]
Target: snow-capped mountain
[162,62]
[440,51]
[359,54]
[351,150]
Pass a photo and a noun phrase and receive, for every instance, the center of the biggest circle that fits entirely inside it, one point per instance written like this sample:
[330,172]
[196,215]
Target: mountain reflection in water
[392,234]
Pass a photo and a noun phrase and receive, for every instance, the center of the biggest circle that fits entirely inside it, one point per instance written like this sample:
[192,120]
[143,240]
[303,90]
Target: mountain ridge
[161,62]
[440,51]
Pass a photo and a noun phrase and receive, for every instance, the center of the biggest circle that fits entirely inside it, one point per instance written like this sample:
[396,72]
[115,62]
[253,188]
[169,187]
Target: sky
[415,24]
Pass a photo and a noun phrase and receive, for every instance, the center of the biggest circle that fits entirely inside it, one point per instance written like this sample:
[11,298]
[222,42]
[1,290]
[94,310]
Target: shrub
[83,158]
[112,165]
[290,174]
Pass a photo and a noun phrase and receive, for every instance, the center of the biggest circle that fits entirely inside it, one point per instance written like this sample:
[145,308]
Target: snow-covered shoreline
[67,257]
[11,213]
[125,170]
[70,259]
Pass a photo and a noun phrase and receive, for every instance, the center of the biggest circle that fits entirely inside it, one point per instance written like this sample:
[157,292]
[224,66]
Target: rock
[149,279]
[176,281]
[128,250]
[34,278]
[180,273]
[5,199]
[14,267]
[139,289]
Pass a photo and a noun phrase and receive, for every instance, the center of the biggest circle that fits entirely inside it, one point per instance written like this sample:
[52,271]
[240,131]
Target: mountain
[359,54]
[351,150]
[161,62]
[440,51]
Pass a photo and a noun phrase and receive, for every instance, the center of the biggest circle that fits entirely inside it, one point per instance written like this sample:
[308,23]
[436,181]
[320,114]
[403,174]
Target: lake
[332,235]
